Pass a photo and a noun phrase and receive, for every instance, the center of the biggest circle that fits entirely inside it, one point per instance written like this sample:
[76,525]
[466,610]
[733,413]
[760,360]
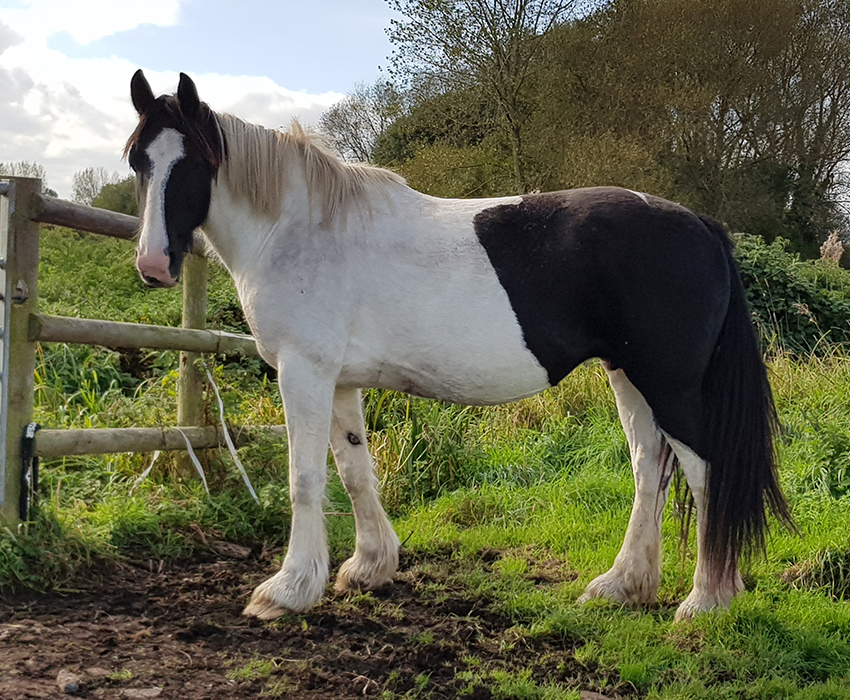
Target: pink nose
[154,270]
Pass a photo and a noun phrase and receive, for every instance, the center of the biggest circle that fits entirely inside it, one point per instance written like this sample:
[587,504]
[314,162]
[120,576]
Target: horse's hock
[22,208]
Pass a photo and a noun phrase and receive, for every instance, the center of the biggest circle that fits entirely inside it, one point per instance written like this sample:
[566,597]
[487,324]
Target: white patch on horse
[633,579]
[325,305]
[163,152]
[452,334]
[639,194]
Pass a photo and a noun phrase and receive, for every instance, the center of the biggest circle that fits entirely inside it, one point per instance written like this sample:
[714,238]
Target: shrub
[798,307]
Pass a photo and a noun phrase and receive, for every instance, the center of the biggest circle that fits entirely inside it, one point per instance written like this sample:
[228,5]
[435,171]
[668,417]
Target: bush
[798,306]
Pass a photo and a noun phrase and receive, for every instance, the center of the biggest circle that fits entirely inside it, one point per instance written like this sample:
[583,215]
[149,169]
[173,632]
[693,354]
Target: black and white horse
[351,279]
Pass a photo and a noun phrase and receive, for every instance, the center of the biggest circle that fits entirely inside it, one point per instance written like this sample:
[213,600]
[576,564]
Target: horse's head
[175,152]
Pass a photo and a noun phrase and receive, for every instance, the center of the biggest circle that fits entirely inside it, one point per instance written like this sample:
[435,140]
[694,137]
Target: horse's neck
[240,235]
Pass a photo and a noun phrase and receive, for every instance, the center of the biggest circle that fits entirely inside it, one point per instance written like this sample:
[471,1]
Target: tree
[355,123]
[88,183]
[446,45]
[449,145]
[25,168]
[119,196]
[743,109]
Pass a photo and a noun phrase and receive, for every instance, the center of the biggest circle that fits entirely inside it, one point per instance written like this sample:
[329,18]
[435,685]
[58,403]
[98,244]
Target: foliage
[451,45]
[446,146]
[737,110]
[746,107]
[118,196]
[355,123]
[797,306]
[448,171]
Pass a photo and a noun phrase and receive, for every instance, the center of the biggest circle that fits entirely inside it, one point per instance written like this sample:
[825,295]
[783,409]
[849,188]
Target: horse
[350,279]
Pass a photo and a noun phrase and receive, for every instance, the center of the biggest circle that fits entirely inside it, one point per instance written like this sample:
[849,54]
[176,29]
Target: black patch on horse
[601,272]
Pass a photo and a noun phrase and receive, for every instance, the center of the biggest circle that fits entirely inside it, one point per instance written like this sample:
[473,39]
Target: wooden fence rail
[95,441]
[50,210]
[22,208]
[115,334]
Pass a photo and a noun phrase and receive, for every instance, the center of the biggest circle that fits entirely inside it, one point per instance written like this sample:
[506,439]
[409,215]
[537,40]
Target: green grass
[507,491]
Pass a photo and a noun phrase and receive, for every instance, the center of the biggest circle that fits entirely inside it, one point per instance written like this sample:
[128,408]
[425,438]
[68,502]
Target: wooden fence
[22,208]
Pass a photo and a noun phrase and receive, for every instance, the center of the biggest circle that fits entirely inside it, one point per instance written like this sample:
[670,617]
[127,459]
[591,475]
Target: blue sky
[316,46]
[65,67]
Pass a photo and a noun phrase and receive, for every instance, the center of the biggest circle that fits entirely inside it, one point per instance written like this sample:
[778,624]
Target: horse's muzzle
[154,270]
[154,282]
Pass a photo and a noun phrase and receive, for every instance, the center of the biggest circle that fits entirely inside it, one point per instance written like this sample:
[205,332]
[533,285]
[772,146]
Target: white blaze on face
[163,152]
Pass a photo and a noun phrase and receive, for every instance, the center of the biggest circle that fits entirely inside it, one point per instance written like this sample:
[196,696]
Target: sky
[65,67]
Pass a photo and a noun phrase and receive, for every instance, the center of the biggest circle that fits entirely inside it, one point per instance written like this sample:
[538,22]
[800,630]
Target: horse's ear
[140,92]
[187,96]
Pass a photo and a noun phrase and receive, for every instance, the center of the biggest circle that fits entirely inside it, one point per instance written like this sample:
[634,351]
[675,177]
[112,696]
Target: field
[505,515]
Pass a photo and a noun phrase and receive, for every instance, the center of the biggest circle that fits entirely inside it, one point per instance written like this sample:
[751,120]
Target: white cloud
[8,37]
[260,100]
[87,20]
[72,113]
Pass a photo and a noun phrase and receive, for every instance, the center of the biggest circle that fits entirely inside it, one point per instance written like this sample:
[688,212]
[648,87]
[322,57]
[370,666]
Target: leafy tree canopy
[739,110]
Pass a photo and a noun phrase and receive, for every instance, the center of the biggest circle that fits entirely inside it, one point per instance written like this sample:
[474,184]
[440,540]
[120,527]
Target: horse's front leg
[375,557]
[307,401]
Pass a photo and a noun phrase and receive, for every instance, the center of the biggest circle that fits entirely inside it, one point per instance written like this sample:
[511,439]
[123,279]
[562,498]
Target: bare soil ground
[175,630]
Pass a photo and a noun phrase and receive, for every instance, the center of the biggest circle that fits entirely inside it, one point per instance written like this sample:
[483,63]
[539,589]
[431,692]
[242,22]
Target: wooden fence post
[190,384]
[20,298]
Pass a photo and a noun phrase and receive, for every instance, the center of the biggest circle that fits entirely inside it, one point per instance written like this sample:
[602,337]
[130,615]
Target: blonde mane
[255,169]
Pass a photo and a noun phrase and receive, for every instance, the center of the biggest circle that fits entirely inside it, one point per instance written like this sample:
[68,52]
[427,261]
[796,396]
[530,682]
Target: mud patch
[176,631]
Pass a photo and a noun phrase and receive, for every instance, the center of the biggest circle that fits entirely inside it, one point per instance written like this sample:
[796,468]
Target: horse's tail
[740,421]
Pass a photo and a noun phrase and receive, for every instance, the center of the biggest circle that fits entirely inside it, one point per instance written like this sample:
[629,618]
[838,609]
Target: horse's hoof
[704,599]
[622,590]
[358,574]
[698,603]
[263,608]
[266,606]
[289,590]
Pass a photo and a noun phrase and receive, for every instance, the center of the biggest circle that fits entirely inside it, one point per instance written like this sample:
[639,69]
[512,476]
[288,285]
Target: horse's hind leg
[375,557]
[633,579]
[711,589]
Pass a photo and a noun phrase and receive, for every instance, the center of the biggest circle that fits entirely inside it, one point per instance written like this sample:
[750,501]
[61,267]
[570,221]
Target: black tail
[740,421]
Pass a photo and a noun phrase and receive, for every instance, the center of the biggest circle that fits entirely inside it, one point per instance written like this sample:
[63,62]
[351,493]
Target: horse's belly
[460,372]
[473,389]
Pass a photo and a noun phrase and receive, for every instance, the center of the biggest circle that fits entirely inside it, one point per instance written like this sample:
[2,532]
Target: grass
[540,488]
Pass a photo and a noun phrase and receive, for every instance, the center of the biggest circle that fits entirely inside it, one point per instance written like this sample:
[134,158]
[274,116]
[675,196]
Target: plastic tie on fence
[29,473]
[228,440]
[195,460]
[144,474]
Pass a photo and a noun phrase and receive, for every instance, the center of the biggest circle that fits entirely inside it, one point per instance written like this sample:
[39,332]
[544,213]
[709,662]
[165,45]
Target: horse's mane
[255,168]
